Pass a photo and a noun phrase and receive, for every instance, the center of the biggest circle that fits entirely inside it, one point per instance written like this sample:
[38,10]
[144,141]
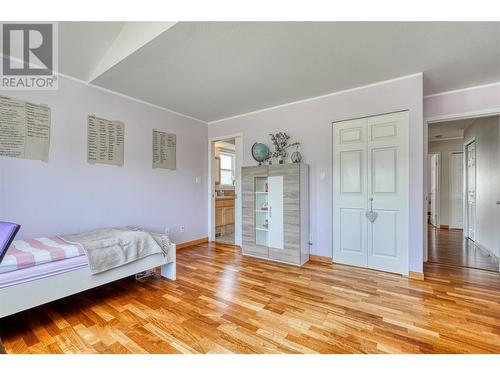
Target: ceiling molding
[462,116]
[317,97]
[444,139]
[130,97]
[462,90]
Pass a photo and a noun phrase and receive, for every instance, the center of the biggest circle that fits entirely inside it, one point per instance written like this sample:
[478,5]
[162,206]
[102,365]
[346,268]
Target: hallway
[450,247]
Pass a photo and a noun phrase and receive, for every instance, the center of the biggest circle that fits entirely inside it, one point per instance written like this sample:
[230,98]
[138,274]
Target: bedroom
[235,187]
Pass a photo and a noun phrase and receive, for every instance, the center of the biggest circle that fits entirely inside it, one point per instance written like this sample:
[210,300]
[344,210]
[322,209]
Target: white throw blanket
[113,247]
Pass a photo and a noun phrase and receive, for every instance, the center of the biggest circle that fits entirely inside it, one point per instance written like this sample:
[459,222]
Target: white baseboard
[486,249]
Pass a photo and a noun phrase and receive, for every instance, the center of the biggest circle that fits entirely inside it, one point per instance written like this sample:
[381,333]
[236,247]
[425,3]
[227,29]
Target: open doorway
[463,175]
[225,157]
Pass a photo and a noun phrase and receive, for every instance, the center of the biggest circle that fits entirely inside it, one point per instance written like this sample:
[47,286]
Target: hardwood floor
[226,239]
[449,246]
[225,303]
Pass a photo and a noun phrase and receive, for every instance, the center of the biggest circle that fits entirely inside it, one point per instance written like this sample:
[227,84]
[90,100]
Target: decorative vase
[296,157]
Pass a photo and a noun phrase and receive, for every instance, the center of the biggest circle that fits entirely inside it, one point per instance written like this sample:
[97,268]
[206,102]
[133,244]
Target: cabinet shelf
[262,229]
[261,192]
[262,211]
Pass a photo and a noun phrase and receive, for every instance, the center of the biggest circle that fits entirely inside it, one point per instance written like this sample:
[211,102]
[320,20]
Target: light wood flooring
[223,302]
[449,246]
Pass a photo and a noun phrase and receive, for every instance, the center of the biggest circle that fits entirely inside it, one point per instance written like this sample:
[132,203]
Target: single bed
[42,270]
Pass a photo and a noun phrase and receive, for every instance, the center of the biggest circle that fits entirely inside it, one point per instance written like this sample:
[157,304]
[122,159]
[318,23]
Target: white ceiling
[213,70]
[451,129]
[82,45]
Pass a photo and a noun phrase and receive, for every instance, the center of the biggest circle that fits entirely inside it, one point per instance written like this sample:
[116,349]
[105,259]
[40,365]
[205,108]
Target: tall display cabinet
[275,212]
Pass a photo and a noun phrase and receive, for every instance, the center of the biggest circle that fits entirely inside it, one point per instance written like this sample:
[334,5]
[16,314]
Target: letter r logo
[27,49]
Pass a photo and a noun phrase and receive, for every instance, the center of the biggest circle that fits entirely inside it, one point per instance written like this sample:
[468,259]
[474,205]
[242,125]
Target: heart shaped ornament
[371,215]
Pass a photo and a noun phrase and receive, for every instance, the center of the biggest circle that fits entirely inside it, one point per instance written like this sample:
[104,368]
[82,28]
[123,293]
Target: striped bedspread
[29,253]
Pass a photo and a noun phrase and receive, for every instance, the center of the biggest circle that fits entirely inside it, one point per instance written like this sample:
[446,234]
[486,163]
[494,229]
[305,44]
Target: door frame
[211,183]
[466,178]
[450,155]
[430,120]
[437,198]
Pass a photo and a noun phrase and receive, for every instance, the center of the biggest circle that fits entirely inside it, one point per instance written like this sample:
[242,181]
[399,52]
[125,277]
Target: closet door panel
[388,160]
[350,192]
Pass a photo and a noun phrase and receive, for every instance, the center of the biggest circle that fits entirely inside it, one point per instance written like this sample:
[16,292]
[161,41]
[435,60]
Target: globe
[260,152]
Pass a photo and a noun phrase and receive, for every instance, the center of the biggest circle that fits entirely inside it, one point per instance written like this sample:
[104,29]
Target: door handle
[498,203]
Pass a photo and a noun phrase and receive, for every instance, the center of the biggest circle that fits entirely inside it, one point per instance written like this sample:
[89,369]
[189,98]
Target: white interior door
[370,169]
[471,190]
[434,193]
[275,201]
[456,190]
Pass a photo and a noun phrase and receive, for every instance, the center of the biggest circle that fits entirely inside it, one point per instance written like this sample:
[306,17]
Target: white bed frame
[24,296]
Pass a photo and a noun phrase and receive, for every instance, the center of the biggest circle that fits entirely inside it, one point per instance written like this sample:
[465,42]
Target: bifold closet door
[349,193]
[370,192]
[388,175]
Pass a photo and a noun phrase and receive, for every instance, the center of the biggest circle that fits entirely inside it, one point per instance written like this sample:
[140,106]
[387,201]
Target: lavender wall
[68,195]
[310,122]
[471,100]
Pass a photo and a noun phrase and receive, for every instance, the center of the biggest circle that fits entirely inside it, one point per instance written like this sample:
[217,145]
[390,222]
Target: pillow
[7,233]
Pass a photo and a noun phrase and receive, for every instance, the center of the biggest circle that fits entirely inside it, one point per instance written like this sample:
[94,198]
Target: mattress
[30,260]
[34,252]
[42,271]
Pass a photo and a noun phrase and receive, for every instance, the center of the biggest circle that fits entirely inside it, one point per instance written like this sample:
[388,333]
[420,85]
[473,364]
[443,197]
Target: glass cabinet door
[261,211]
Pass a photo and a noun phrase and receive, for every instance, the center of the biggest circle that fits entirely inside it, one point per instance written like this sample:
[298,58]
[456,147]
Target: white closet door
[370,161]
[275,200]
[349,193]
[388,174]
[456,190]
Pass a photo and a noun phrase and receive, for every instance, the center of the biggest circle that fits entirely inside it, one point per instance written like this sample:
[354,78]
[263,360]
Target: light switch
[322,176]
[198,180]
